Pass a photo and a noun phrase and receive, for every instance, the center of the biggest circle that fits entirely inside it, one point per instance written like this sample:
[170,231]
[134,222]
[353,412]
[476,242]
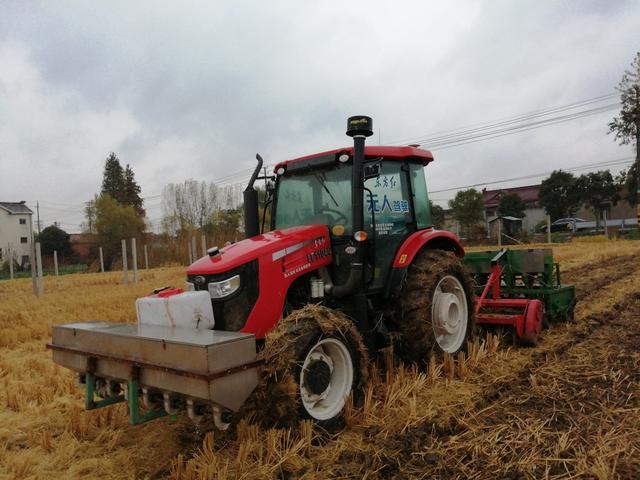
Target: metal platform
[205,365]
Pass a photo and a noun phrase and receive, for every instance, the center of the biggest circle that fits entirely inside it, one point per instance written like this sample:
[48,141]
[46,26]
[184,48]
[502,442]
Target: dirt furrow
[533,407]
[419,449]
[588,279]
[576,414]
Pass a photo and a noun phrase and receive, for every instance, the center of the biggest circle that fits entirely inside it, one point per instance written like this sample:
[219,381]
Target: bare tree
[188,205]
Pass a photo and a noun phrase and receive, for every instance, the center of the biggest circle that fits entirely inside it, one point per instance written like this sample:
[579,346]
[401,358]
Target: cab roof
[389,153]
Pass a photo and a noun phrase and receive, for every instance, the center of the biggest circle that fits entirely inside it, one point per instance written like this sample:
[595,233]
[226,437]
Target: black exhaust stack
[359,127]
[250,195]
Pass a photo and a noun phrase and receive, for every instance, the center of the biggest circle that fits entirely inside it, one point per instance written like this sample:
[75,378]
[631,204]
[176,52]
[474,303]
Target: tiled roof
[16,208]
[530,194]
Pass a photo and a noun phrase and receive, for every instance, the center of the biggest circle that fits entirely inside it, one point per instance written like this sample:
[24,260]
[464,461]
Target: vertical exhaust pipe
[250,196]
[359,128]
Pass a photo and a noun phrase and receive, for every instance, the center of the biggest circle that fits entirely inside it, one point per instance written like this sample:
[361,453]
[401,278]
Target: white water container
[184,310]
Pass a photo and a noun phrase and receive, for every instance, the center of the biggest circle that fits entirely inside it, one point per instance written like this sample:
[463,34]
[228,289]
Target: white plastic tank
[176,308]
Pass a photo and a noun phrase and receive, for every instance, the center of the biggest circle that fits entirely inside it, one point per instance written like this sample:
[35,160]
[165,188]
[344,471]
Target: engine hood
[276,243]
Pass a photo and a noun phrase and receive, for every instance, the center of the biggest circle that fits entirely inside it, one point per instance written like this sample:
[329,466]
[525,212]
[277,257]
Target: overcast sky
[194,89]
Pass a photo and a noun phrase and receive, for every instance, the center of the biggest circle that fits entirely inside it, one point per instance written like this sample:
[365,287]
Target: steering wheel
[341,217]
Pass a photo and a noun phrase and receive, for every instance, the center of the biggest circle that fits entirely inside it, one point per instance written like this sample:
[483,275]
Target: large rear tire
[314,360]
[435,308]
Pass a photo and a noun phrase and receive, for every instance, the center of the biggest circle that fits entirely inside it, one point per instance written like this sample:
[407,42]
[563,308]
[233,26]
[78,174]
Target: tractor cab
[317,189]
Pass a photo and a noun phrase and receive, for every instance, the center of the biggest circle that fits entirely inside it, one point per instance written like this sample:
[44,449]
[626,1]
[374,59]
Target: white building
[16,231]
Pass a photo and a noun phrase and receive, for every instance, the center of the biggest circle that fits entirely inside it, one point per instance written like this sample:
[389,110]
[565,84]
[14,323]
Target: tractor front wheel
[435,309]
[314,360]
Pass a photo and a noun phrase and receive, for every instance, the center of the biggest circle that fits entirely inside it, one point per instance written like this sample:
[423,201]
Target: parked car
[564,225]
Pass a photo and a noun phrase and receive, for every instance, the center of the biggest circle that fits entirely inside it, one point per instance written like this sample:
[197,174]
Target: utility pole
[38,210]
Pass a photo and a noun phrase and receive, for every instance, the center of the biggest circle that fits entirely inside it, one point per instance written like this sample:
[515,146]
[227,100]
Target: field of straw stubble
[569,408]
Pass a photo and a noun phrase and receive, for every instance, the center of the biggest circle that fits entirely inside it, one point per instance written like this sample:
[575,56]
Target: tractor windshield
[315,197]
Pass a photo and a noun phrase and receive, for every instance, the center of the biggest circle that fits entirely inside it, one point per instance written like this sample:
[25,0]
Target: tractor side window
[420,198]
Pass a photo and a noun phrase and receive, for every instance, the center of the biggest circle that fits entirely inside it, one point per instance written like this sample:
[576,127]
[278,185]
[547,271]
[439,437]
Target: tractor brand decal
[296,270]
[403,259]
[286,251]
[317,242]
[318,254]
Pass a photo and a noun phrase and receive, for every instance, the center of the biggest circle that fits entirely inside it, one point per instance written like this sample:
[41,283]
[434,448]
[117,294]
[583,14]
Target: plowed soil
[568,408]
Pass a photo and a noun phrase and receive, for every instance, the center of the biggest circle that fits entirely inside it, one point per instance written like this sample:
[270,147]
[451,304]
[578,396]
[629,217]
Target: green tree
[626,126]
[559,195]
[628,181]
[114,222]
[113,183]
[511,205]
[468,208]
[437,214]
[120,184]
[54,238]
[227,221]
[131,192]
[598,191]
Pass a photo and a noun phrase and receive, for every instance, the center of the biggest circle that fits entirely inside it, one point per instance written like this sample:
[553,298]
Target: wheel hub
[326,378]
[447,310]
[317,376]
[449,313]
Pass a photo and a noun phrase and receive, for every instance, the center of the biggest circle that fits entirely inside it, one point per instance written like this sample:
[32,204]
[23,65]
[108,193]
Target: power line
[501,122]
[609,163]
[522,128]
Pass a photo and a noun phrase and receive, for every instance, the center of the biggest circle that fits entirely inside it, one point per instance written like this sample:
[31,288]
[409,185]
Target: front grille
[231,313]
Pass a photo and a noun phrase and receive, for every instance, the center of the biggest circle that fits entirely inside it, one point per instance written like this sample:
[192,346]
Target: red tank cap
[169,292]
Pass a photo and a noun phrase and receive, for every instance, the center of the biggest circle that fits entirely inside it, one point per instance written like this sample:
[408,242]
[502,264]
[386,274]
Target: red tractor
[351,264]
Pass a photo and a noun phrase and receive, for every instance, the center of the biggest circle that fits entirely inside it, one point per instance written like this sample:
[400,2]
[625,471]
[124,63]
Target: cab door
[388,206]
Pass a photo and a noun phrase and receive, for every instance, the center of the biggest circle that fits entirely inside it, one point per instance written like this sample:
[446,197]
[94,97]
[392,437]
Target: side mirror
[372,170]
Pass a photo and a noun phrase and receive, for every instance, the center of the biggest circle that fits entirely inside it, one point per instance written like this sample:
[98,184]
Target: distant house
[530,195]
[81,245]
[16,231]
[535,213]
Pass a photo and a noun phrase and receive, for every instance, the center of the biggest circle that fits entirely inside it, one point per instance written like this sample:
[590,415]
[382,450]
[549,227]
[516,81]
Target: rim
[332,356]
[449,314]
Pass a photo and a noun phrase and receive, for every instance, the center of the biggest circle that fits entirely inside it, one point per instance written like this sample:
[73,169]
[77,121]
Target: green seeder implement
[521,289]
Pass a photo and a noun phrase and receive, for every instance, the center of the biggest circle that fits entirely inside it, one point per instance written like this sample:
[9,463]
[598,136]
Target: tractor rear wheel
[314,360]
[435,308]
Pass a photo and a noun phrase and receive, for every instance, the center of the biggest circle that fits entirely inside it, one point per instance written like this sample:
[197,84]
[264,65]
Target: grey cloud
[194,90]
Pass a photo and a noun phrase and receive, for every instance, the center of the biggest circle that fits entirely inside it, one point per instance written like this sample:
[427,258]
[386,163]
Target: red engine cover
[283,255]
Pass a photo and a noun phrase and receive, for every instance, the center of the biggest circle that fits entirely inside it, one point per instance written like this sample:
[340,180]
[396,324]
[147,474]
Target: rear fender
[423,239]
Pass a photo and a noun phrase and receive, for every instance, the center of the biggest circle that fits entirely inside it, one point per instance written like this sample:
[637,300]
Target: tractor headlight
[225,287]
